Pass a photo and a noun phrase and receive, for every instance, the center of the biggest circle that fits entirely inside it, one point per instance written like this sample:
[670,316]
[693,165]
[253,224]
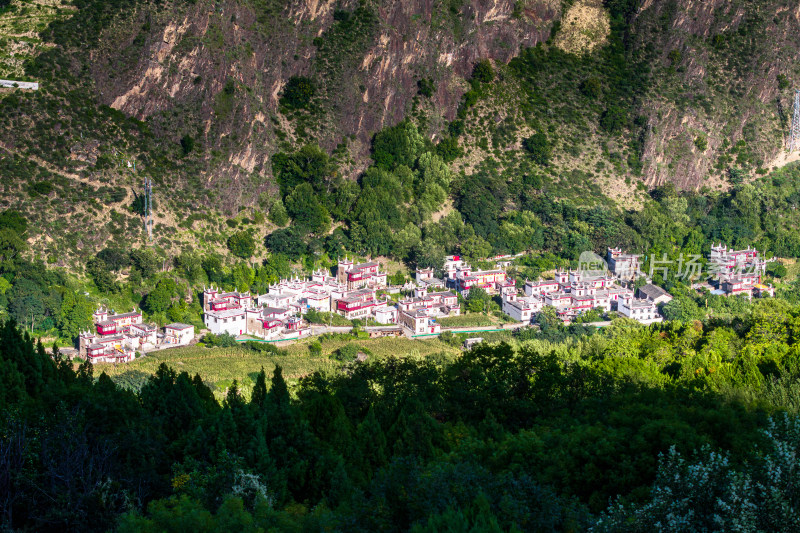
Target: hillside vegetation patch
[586,25]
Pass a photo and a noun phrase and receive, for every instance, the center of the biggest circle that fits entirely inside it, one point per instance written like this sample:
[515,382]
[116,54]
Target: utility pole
[148,208]
[794,131]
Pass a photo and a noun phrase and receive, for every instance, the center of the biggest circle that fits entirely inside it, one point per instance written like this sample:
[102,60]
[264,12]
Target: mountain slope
[619,96]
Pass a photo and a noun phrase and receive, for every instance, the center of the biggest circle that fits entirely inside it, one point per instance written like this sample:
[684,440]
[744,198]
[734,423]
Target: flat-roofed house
[178,334]
[638,309]
[522,309]
[419,323]
[226,321]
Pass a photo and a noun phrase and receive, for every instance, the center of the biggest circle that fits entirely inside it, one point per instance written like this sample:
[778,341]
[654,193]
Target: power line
[794,132]
[148,208]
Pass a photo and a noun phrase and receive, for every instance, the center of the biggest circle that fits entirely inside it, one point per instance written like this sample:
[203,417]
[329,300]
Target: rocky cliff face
[214,71]
[725,73]
[172,66]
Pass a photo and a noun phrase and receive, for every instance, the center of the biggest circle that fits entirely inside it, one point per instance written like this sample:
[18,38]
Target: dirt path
[69,175]
[784,158]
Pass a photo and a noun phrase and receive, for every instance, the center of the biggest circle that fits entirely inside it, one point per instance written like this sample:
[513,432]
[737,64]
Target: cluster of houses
[462,277]
[352,293]
[576,291]
[117,337]
[571,292]
[734,272]
[359,291]
[737,272]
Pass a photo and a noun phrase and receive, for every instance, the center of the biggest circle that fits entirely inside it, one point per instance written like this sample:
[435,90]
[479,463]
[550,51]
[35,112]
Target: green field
[220,366]
[465,321]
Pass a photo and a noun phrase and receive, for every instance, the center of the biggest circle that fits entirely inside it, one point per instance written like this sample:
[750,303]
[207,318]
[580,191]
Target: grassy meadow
[218,367]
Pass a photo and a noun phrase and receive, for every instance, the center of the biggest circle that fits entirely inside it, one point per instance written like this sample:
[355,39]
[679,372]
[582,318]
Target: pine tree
[259,397]
[278,396]
[205,394]
[341,488]
[414,430]
[371,444]
[18,350]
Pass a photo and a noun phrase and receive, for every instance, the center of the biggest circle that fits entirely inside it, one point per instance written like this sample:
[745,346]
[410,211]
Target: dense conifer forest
[692,424]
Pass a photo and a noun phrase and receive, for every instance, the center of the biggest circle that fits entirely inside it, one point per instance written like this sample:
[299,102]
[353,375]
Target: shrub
[776,269]
[297,93]
[448,149]
[451,339]
[278,214]
[315,349]
[286,241]
[613,119]
[265,347]
[187,144]
[538,147]
[483,71]
[223,340]
[425,87]
[242,244]
[701,142]
[42,188]
[591,88]
[348,353]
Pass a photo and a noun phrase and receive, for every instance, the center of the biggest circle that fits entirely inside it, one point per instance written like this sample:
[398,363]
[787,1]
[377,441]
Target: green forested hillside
[212,99]
[540,436]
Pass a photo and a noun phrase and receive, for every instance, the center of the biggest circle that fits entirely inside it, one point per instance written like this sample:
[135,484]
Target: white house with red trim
[725,263]
[216,300]
[417,322]
[489,280]
[541,287]
[231,321]
[452,264]
[358,304]
[178,334]
[741,284]
[360,275]
[111,323]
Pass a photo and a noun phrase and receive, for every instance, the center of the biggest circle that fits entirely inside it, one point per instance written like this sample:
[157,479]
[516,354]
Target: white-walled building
[434,304]
[522,309]
[226,321]
[361,275]
[178,334]
[419,323]
[146,333]
[641,310]
[118,336]
[216,300]
[386,315]
[622,265]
